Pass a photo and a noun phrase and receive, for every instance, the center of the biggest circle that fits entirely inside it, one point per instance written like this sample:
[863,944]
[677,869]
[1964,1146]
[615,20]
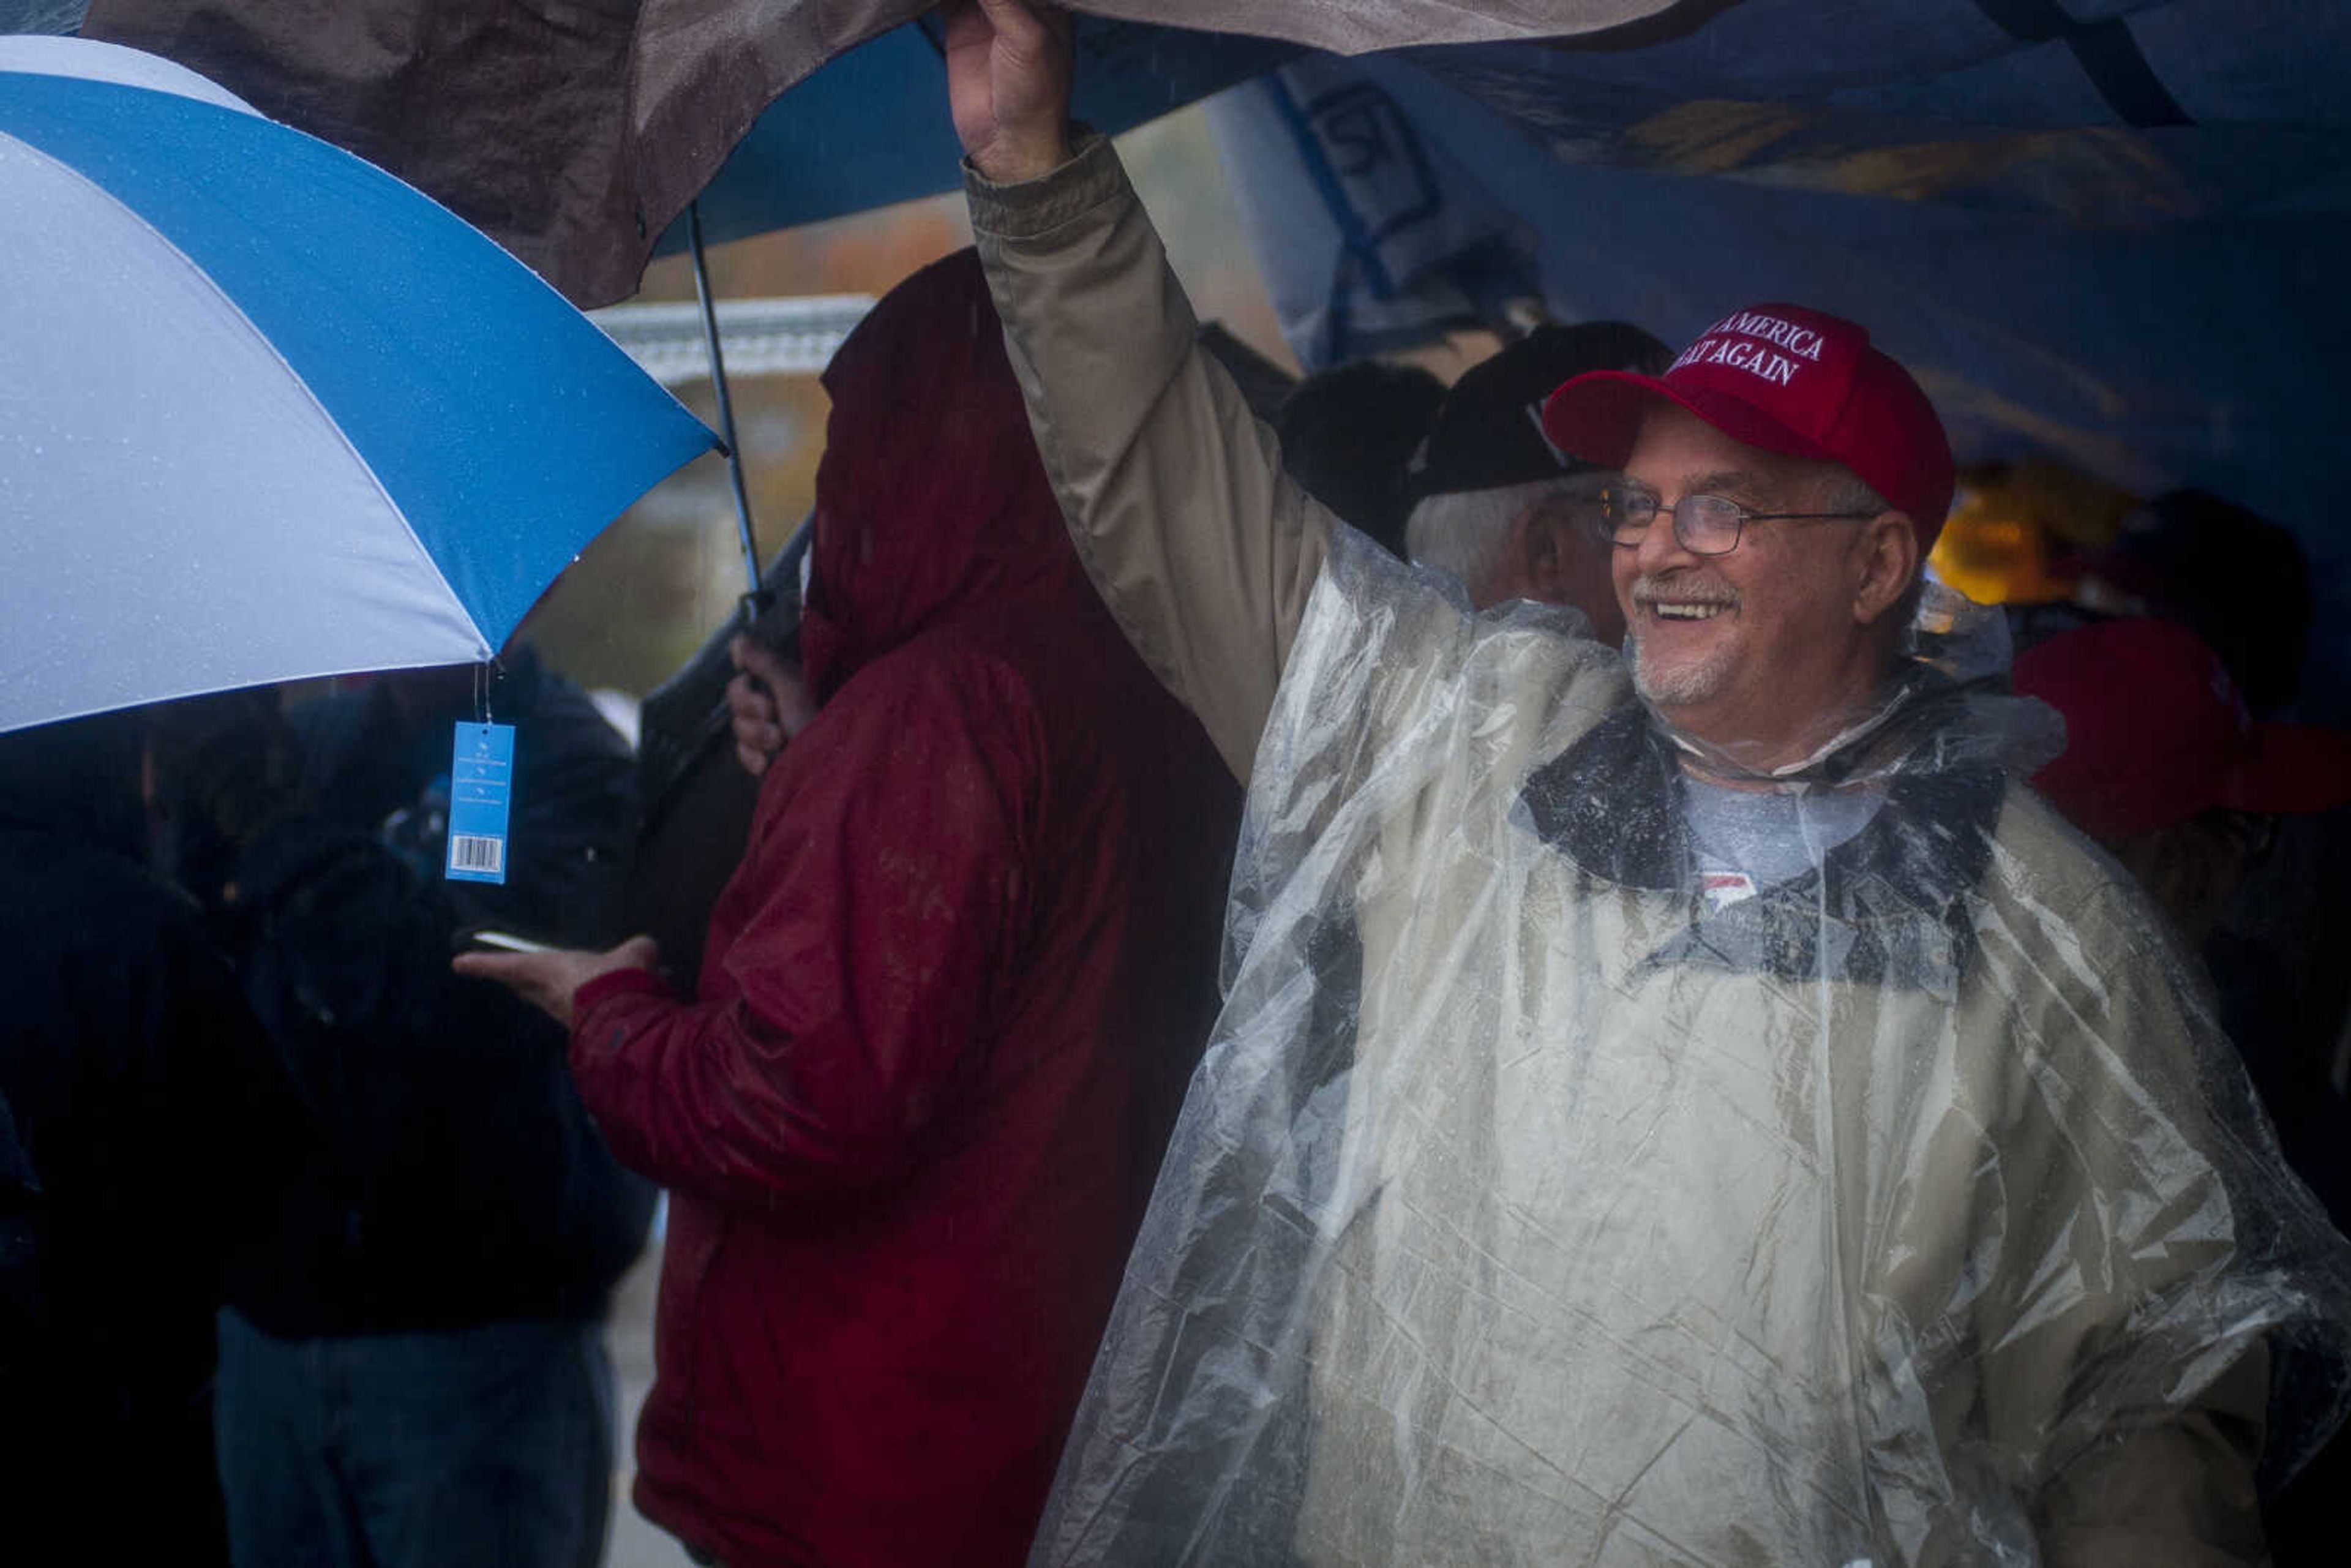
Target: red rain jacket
[951,999]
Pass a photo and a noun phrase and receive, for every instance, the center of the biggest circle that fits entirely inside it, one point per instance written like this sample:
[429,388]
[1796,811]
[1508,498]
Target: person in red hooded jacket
[950,1002]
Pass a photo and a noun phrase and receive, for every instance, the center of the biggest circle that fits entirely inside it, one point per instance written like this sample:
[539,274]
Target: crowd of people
[1487,974]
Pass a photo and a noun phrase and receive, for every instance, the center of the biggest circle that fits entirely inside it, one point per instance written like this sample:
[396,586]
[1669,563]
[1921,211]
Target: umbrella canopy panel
[813,155]
[113,596]
[271,413]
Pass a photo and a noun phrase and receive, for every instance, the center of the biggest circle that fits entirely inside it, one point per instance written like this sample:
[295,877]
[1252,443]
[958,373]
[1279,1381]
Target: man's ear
[1887,560]
[1541,553]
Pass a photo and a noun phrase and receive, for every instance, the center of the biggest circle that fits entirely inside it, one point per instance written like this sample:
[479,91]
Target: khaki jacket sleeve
[1199,543]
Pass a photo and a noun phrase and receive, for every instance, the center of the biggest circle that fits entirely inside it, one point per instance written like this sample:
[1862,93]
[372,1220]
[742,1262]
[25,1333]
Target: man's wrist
[627,981]
[1090,176]
[1038,159]
[1031,159]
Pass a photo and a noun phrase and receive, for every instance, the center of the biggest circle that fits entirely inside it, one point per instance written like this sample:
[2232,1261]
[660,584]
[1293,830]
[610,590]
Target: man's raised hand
[1009,66]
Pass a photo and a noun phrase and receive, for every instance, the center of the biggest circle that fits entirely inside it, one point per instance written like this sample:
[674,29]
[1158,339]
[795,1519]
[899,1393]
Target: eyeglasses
[1703,525]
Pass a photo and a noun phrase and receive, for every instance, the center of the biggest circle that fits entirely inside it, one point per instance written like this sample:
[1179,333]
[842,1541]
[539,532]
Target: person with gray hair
[1496,504]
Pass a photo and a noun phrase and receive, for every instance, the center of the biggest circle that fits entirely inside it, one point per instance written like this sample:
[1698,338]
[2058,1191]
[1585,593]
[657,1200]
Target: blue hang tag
[481,787]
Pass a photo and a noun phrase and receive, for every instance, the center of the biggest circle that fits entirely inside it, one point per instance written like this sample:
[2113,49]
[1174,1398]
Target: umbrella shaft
[726,404]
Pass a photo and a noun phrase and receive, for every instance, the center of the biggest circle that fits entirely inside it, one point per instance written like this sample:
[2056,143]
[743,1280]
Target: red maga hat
[1788,379]
[2156,733]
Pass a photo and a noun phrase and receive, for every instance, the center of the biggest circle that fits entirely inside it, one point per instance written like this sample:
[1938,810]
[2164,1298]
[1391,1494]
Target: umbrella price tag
[481,787]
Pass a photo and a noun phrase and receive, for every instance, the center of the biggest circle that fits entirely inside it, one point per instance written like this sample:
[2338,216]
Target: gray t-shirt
[1748,840]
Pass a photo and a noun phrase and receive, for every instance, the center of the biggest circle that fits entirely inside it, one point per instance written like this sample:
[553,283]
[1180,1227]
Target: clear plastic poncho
[1547,1197]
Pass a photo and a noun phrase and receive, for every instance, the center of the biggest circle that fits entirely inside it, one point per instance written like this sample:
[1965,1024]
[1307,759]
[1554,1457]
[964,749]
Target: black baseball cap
[1489,432]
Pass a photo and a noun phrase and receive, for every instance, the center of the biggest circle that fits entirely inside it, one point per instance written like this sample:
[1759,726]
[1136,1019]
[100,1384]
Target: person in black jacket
[146,1129]
[416,1374]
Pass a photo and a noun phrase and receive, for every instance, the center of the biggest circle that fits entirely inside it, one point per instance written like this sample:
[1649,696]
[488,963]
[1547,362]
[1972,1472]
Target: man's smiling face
[1764,650]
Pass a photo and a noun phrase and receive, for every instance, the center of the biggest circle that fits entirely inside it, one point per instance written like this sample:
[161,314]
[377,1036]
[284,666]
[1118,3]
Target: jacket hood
[931,501]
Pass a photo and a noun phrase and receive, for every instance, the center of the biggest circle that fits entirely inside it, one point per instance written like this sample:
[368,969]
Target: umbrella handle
[756,604]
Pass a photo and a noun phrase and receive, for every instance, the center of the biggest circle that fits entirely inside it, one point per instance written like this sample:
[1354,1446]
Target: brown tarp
[574,130]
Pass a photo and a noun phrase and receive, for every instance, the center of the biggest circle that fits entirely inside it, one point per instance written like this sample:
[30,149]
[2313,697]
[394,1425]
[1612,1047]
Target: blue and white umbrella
[266,412]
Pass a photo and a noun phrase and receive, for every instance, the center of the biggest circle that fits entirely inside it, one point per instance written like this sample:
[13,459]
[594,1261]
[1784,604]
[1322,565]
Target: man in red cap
[1688,1108]
[1757,635]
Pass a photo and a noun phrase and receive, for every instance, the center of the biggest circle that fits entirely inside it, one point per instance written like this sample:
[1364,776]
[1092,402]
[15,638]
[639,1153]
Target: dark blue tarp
[2120,245]
[2107,233]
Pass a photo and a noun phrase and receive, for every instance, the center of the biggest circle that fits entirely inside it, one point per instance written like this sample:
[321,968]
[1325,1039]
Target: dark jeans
[490,1445]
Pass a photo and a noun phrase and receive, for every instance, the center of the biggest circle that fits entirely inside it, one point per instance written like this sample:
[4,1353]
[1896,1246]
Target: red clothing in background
[950,1000]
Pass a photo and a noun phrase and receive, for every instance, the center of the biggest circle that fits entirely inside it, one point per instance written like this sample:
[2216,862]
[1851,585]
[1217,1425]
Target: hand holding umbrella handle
[1008,69]
[766,705]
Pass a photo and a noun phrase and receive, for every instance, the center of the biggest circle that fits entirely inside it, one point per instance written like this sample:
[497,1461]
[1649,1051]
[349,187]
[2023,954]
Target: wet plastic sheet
[1537,1205]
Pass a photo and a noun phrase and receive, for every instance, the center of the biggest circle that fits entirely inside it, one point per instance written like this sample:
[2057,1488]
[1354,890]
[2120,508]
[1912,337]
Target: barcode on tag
[481,788]
[468,852]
